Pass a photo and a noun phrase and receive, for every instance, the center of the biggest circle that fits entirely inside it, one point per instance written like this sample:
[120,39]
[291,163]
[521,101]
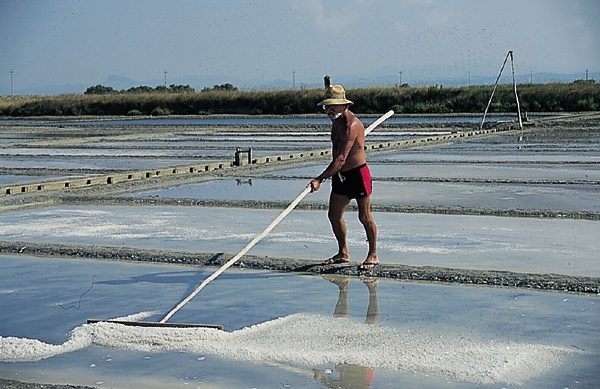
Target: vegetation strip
[553,282]
[14,384]
[182,100]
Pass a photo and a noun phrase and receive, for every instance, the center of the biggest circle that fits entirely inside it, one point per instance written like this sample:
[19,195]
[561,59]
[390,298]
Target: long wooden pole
[258,237]
[494,90]
[512,65]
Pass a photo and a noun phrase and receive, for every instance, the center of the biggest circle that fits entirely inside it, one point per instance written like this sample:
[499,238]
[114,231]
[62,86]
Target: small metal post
[238,160]
[12,85]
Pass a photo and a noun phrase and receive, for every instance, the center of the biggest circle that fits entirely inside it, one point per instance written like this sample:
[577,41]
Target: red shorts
[354,183]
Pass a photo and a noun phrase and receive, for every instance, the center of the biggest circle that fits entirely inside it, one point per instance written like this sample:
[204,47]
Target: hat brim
[335,102]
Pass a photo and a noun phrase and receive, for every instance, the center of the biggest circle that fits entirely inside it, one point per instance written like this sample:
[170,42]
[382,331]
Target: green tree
[180,88]
[99,90]
[140,89]
[227,87]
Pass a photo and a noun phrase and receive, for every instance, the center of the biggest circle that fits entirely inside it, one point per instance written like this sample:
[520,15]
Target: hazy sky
[85,41]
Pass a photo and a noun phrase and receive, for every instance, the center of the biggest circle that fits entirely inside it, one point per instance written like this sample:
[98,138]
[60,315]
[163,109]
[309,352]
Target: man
[351,178]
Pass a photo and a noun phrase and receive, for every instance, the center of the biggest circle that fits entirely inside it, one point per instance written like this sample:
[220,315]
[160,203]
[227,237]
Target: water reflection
[350,376]
[243,181]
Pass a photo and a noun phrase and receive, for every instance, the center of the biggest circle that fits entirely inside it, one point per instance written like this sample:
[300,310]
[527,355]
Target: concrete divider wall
[202,168]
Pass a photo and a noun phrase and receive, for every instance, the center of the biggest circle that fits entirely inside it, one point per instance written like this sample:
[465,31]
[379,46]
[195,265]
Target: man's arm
[339,159]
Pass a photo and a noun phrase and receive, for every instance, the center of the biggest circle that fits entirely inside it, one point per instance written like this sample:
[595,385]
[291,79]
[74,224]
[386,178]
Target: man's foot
[336,260]
[369,263]
[341,281]
[370,282]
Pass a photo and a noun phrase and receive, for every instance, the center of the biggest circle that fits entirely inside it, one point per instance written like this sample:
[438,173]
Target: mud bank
[549,282]
[13,384]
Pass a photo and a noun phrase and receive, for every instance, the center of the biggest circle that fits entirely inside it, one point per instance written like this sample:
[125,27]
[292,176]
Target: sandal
[367,265]
[335,260]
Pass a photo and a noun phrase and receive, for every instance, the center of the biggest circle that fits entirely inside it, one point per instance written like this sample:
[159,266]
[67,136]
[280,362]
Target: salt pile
[314,340]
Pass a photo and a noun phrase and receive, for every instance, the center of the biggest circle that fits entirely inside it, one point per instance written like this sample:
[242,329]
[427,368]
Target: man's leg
[366,218]
[373,308]
[337,206]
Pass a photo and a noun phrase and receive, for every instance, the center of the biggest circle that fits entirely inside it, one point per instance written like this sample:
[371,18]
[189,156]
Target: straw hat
[335,95]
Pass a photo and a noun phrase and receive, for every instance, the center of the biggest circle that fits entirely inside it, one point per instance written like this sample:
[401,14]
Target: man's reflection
[351,376]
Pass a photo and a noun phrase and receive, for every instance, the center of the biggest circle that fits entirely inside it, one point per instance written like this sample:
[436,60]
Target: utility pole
[586,74]
[12,85]
[530,76]
[400,78]
[293,79]
[165,78]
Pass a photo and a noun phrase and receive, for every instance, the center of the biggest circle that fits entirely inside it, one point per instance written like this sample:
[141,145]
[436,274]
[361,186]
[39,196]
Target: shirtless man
[351,178]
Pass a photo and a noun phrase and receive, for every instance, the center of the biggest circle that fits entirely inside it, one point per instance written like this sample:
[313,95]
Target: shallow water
[428,335]
[567,247]
[553,332]
[441,170]
[449,156]
[94,163]
[18,179]
[415,194]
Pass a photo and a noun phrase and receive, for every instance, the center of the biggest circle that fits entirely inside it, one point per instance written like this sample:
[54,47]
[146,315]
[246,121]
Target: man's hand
[315,184]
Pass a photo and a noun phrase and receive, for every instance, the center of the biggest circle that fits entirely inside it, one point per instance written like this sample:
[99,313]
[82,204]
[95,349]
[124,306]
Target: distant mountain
[423,80]
[362,80]
[46,90]
[199,82]
[120,82]
[545,78]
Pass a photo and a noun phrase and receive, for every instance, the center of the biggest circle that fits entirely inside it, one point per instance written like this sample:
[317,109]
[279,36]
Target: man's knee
[334,215]
[366,218]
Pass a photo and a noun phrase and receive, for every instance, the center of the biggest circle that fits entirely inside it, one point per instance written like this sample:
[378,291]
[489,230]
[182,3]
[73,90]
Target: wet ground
[518,210]
[287,330]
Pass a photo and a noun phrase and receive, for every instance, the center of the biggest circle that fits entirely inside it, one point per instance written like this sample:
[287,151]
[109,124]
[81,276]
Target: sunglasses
[329,107]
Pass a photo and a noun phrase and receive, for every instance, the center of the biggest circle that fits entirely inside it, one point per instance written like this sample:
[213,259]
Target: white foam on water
[313,340]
